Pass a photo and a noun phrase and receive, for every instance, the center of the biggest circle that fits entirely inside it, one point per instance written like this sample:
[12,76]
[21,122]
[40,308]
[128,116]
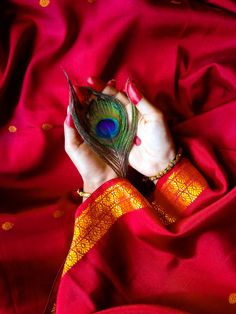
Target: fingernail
[69,121]
[80,94]
[111,83]
[133,93]
[137,141]
[96,83]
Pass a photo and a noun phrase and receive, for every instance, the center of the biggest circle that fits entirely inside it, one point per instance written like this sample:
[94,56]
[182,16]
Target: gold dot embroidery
[7,226]
[47,126]
[97,218]
[12,129]
[232,298]
[165,218]
[44,3]
[53,310]
[58,213]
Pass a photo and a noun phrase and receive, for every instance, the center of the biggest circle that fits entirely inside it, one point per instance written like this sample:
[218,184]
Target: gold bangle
[171,164]
[83,194]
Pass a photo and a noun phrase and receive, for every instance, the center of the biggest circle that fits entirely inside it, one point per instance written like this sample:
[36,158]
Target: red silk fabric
[182,55]
[138,261]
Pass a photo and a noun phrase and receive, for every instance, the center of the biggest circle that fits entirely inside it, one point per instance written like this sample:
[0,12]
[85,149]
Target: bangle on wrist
[171,164]
[83,194]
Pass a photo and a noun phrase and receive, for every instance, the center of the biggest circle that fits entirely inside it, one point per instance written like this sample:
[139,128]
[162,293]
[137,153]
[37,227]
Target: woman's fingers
[108,88]
[112,83]
[133,92]
[72,137]
[99,85]
[96,83]
[146,109]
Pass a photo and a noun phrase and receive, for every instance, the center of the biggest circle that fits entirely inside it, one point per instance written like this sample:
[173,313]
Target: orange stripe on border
[183,186]
[99,216]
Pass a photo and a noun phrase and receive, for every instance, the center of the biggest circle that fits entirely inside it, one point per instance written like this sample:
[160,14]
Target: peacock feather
[103,123]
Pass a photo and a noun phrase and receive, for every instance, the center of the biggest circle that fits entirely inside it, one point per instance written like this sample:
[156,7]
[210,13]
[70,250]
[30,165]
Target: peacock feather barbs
[104,125]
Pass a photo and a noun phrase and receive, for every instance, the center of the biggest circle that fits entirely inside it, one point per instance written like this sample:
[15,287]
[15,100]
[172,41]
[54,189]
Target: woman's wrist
[165,160]
[173,161]
[90,187]
[158,164]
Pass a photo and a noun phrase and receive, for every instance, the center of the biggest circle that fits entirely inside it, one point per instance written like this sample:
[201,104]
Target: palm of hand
[156,145]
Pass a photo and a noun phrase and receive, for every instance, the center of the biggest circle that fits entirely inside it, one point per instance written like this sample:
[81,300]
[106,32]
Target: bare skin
[151,156]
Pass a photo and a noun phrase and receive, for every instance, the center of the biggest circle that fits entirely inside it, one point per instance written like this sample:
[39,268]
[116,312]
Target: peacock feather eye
[107,128]
[104,125]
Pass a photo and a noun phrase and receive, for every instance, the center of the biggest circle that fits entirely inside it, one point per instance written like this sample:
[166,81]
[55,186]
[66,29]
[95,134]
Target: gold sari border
[99,215]
[184,185]
[165,218]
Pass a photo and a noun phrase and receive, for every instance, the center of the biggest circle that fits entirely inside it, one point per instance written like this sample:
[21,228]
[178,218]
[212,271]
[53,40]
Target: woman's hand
[153,147]
[92,168]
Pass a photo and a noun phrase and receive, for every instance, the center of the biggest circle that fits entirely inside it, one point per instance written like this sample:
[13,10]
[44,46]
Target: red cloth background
[182,55]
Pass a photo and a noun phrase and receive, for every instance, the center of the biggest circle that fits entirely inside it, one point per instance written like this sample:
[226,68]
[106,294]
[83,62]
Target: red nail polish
[137,140]
[80,94]
[111,83]
[96,83]
[69,121]
[133,93]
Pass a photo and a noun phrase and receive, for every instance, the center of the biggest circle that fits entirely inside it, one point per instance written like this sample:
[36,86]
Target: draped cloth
[182,55]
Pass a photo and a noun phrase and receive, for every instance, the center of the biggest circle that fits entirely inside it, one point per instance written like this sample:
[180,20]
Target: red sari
[128,256]
[182,54]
